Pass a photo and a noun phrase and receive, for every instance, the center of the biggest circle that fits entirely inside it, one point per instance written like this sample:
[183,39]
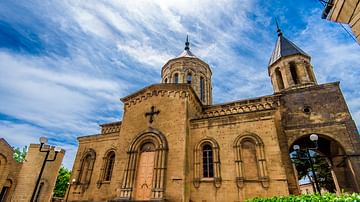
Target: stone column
[274,82]
[302,73]
[286,75]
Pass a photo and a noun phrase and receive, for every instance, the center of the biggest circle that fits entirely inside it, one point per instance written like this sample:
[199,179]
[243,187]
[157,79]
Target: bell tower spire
[187,43]
[278,28]
[289,66]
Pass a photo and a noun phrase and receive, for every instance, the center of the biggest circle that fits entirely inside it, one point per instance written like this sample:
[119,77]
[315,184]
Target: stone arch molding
[104,165]
[161,149]
[198,160]
[86,167]
[3,166]
[262,174]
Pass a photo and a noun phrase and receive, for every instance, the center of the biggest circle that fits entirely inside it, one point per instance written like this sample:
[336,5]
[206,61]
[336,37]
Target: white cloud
[116,47]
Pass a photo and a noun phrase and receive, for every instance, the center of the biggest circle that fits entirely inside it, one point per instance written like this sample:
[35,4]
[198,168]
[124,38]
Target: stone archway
[335,155]
[144,176]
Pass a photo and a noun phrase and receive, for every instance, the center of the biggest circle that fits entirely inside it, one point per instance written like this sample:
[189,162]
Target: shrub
[354,197]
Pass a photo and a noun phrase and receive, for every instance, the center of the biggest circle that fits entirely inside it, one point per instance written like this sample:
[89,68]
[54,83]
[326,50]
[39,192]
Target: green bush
[355,197]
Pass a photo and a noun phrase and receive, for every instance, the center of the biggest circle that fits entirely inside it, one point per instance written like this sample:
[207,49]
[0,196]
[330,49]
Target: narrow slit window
[189,78]
[176,78]
[202,85]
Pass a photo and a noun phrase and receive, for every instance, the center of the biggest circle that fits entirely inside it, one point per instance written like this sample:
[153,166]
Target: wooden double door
[144,176]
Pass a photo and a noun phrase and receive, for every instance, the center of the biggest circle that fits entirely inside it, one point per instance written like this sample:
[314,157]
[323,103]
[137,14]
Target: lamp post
[314,138]
[69,183]
[43,141]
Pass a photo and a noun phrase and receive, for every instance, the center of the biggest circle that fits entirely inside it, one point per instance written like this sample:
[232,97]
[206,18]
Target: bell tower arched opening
[279,80]
[296,71]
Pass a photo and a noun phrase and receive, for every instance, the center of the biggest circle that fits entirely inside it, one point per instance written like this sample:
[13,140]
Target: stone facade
[344,11]
[172,145]
[17,180]
[9,171]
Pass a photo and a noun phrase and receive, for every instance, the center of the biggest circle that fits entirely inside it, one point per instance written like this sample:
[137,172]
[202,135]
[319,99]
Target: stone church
[173,144]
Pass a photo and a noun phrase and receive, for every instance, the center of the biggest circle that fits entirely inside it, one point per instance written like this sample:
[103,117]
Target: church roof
[187,52]
[284,47]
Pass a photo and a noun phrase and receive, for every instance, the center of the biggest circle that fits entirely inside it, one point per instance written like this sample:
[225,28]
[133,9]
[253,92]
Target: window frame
[207,161]
[198,163]
[109,166]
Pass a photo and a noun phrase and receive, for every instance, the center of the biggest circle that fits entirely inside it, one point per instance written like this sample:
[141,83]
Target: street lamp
[72,182]
[43,142]
[314,138]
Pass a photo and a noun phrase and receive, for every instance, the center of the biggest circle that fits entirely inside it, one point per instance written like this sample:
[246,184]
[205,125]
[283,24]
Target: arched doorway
[144,175]
[324,161]
[145,171]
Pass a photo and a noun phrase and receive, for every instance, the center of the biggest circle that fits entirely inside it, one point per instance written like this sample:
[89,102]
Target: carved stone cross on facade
[152,113]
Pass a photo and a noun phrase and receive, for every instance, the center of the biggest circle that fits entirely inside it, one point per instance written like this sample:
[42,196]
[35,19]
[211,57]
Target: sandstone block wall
[30,171]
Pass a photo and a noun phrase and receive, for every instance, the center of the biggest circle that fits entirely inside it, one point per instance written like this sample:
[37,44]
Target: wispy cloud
[64,66]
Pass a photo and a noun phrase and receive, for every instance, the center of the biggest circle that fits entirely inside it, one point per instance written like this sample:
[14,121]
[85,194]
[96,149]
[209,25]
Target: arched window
[208,161]
[202,86]
[86,168]
[250,160]
[110,161]
[294,73]
[165,80]
[189,78]
[5,189]
[176,78]
[279,79]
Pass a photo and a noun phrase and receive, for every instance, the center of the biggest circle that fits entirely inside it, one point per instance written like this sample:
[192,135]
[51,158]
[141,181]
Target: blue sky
[65,64]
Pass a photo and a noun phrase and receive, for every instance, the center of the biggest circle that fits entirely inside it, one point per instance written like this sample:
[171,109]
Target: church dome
[187,68]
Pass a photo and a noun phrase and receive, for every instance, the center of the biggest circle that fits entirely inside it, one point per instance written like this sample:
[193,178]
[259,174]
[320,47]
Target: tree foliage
[62,182]
[321,168]
[20,154]
[327,197]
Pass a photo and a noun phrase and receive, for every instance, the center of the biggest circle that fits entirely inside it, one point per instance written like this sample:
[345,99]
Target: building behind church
[173,144]
[344,11]
[18,180]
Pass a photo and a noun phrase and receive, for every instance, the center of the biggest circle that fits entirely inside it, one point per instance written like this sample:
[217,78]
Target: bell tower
[289,66]
[187,68]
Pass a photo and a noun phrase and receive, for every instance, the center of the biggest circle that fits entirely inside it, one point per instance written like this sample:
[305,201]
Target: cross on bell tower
[152,113]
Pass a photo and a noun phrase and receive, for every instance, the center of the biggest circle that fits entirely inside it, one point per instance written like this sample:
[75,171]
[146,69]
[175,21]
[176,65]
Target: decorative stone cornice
[184,61]
[243,106]
[110,127]
[164,89]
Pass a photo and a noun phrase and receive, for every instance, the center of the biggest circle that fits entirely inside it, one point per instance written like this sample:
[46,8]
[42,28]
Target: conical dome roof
[284,47]
[187,52]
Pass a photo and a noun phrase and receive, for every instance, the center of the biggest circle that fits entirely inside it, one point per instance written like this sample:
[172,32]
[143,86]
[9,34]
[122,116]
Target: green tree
[62,182]
[321,167]
[20,154]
